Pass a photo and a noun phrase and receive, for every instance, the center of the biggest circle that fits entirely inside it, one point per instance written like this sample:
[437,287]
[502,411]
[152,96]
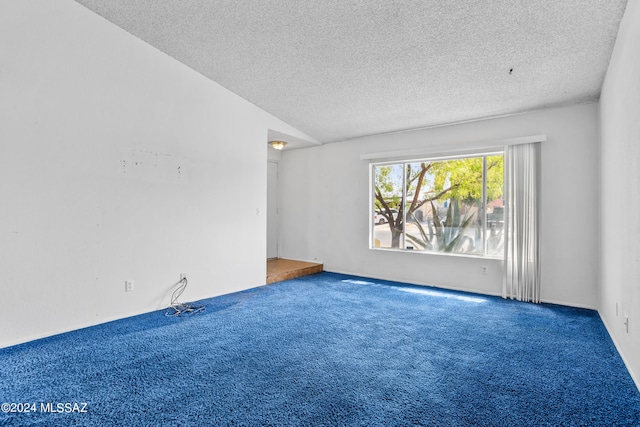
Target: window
[445,205]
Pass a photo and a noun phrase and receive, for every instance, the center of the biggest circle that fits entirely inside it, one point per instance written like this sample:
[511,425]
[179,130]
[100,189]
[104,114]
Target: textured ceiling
[340,69]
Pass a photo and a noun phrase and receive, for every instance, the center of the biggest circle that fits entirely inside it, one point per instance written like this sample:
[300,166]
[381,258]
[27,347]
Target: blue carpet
[329,350]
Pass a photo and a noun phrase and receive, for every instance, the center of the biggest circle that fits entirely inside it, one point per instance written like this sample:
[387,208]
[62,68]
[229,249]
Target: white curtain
[522,253]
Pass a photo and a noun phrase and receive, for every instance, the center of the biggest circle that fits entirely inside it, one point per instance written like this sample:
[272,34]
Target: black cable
[179,309]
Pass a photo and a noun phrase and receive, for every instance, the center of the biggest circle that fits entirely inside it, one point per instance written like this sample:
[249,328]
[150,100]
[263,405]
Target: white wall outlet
[183,276]
[484,270]
[128,285]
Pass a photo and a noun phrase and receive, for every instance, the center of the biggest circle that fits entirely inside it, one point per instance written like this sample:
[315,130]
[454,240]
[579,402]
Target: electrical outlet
[128,285]
[183,276]
[484,270]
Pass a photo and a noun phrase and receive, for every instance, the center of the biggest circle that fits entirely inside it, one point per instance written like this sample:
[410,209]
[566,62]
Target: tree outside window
[453,205]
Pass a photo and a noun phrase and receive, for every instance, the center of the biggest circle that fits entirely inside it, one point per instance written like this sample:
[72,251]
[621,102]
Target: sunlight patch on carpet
[442,295]
[428,292]
[358,282]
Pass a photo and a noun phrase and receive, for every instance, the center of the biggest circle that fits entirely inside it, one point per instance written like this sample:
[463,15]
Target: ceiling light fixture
[278,145]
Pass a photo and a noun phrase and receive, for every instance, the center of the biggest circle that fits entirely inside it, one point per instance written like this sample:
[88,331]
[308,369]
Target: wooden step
[284,269]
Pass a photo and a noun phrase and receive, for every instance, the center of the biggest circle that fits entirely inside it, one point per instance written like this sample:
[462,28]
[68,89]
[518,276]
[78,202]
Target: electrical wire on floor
[181,309]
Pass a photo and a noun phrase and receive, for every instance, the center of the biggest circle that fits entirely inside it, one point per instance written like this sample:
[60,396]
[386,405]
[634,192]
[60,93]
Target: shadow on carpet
[328,350]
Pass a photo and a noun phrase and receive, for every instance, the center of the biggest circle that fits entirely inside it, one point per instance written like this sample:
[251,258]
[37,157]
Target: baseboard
[53,333]
[634,377]
[566,304]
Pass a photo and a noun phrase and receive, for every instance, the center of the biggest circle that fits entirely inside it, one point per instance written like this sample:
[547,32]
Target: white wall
[620,194]
[118,162]
[325,207]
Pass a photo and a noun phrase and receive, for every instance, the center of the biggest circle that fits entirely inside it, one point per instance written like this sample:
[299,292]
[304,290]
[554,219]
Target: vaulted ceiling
[341,69]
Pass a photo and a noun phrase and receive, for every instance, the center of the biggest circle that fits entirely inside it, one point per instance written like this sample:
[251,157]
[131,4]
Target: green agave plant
[448,235]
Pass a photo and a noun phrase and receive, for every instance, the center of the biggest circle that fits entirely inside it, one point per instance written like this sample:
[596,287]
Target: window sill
[456,255]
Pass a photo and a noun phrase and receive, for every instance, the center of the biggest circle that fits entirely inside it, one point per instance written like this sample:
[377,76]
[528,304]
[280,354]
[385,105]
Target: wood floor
[284,269]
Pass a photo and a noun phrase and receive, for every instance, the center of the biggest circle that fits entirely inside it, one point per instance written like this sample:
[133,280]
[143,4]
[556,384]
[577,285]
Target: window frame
[494,151]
